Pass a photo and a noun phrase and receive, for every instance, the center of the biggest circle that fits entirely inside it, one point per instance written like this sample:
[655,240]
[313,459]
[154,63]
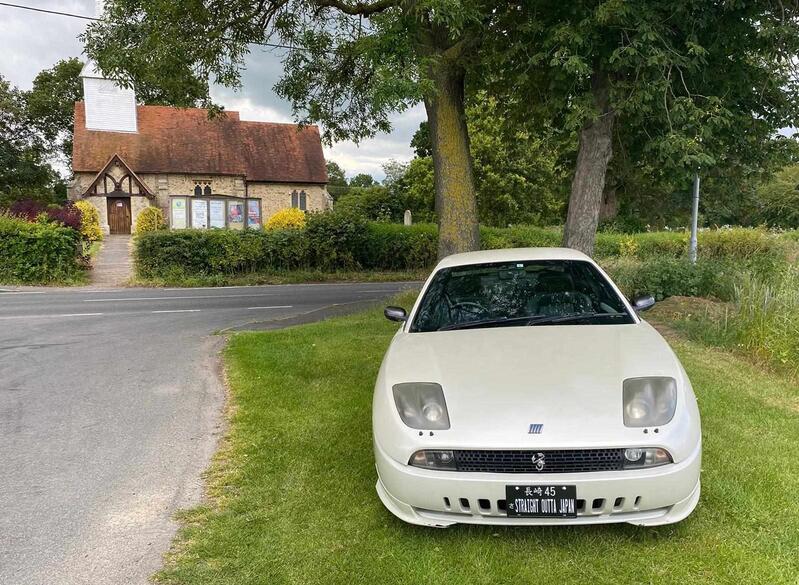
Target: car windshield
[539,292]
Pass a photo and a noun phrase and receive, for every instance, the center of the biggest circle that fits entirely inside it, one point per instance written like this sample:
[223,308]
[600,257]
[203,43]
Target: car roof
[511,255]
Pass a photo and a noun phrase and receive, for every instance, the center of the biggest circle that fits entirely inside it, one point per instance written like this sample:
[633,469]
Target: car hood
[499,381]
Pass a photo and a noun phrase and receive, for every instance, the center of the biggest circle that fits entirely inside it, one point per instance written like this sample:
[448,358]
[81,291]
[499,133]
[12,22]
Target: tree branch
[358,8]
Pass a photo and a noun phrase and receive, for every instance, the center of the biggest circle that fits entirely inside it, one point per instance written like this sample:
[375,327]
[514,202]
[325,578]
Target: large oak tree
[680,84]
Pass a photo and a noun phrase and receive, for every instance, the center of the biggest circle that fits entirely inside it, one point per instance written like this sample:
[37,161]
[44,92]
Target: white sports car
[523,388]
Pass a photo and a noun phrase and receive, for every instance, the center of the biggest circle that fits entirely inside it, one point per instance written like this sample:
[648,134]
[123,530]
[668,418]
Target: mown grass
[292,500]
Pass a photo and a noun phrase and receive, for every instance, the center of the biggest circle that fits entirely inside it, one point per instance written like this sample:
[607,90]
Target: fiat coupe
[523,388]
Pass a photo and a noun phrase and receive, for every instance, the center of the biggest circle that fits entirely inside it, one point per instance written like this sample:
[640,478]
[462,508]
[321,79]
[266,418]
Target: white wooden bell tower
[109,107]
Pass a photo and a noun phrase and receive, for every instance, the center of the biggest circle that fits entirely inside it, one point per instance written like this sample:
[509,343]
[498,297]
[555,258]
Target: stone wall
[276,196]
[273,196]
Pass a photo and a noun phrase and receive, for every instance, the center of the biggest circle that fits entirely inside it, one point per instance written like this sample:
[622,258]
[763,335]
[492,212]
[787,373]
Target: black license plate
[541,501]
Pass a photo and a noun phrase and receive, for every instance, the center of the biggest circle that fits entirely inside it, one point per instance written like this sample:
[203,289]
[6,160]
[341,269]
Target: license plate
[541,501]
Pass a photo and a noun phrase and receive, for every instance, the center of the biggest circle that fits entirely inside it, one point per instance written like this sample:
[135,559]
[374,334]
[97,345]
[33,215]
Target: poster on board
[178,214]
[253,214]
[235,215]
[217,213]
[199,214]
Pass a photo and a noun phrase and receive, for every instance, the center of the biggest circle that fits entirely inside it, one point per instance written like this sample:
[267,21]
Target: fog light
[633,454]
[640,457]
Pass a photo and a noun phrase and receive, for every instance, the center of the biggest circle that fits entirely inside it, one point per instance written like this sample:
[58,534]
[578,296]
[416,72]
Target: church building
[203,173]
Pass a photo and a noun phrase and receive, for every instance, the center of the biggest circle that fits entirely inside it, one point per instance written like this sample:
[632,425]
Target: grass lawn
[292,495]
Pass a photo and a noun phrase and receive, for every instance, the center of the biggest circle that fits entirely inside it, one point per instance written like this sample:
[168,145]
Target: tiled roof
[174,140]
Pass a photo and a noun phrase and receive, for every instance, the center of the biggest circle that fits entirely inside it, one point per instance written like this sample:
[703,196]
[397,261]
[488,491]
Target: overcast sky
[32,41]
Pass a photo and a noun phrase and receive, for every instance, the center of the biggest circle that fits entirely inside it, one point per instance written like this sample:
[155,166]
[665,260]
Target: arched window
[207,190]
[303,201]
[198,191]
[295,199]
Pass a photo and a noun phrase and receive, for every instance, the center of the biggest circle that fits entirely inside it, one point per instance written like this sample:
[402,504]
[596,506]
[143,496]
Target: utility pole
[694,220]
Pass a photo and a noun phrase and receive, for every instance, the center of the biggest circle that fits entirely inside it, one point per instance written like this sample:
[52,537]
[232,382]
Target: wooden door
[119,215]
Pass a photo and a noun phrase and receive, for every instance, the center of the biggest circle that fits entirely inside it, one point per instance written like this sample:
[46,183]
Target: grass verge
[281,277]
[292,501]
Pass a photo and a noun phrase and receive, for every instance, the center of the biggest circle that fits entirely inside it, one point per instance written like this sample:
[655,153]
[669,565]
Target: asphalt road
[110,407]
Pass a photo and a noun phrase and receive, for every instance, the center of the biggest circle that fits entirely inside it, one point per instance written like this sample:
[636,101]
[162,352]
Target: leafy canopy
[346,65]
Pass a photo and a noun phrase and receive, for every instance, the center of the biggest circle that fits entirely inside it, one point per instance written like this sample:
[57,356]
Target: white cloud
[370,155]
[32,41]
[250,111]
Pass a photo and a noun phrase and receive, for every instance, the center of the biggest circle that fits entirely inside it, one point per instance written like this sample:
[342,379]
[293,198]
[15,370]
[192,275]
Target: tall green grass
[762,320]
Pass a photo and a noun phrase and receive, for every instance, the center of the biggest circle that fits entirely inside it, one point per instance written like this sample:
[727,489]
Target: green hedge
[342,241]
[37,253]
[666,277]
[732,243]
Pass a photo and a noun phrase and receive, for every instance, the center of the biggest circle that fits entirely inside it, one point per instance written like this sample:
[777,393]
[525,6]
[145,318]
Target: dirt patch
[668,311]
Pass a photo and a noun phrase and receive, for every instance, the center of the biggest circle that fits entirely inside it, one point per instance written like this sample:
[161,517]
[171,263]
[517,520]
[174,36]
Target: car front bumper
[646,497]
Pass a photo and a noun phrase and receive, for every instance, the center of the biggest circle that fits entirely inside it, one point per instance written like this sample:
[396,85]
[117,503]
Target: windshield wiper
[527,320]
[499,321]
[547,319]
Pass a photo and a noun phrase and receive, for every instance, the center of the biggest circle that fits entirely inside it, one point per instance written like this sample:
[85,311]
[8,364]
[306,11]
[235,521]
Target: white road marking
[179,311]
[57,316]
[272,307]
[174,297]
[79,315]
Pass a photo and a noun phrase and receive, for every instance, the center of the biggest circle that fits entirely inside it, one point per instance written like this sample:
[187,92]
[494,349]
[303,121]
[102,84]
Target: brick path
[113,265]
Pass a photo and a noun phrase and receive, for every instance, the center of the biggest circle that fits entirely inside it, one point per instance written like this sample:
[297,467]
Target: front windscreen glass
[539,292]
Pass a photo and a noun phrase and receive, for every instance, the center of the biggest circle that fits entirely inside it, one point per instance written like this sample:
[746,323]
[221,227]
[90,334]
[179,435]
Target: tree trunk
[593,156]
[610,203]
[456,205]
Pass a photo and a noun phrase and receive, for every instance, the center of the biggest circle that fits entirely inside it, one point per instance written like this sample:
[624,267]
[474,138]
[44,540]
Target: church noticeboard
[178,214]
[235,215]
[199,213]
[254,213]
[217,215]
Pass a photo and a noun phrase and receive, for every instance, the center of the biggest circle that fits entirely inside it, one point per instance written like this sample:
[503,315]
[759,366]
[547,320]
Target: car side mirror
[643,303]
[395,314]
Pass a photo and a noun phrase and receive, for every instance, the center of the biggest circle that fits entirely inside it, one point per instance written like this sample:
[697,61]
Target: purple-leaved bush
[68,215]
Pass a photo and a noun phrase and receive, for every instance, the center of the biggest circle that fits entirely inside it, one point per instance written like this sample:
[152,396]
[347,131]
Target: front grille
[560,461]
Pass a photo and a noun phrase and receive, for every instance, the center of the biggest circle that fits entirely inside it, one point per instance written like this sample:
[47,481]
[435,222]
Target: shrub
[390,246]
[740,243]
[628,247]
[666,277]
[37,253]
[68,215]
[335,240]
[89,221]
[649,262]
[519,237]
[376,203]
[150,219]
[289,218]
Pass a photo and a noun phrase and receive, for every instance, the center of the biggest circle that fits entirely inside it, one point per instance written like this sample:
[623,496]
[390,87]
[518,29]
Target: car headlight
[645,457]
[421,405]
[649,402]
